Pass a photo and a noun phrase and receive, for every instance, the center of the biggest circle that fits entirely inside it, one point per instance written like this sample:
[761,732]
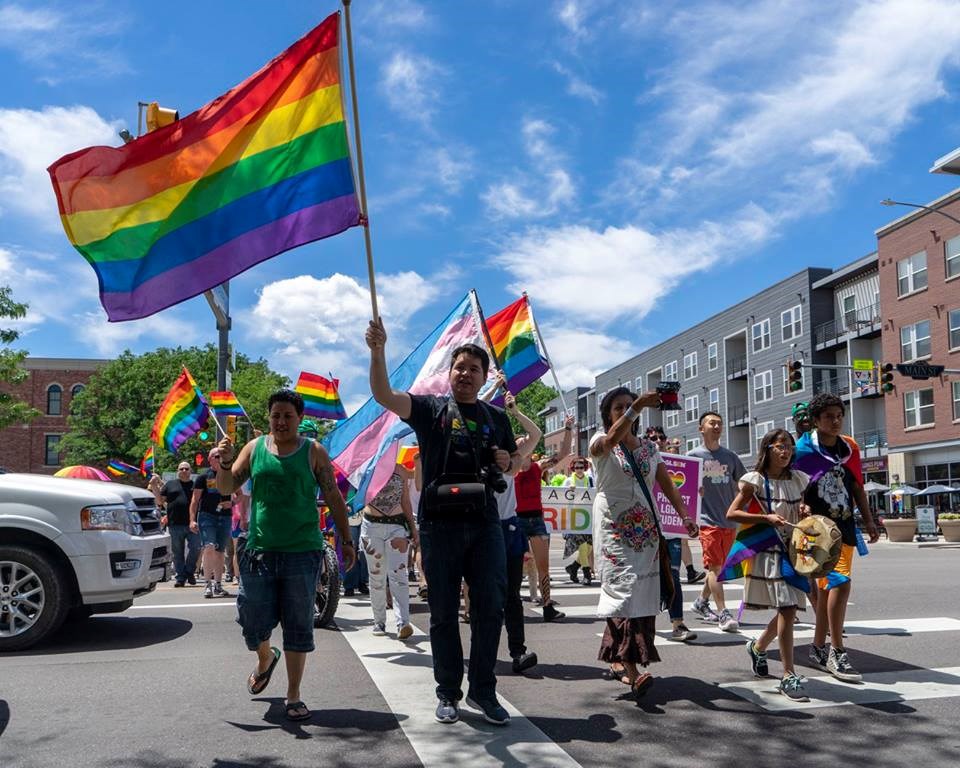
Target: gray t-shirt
[722,469]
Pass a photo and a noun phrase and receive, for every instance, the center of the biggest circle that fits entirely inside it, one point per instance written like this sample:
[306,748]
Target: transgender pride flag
[365,445]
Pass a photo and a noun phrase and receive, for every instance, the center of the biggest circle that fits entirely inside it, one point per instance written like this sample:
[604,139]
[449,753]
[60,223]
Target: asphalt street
[163,686]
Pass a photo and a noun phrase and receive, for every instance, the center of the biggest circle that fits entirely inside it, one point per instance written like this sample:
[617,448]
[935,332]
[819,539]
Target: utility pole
[219,300]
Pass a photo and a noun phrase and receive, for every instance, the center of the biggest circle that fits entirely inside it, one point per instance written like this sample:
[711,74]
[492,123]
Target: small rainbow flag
[260,170]
[225,404]
[515,345]
[183,413]
[146,463]
[118,468]
[320,397]
[406,454]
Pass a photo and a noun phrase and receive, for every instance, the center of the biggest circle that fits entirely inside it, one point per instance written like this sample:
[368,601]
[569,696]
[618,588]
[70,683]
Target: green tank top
[283,508]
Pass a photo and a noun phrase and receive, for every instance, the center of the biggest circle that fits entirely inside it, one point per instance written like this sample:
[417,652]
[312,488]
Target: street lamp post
[890,202]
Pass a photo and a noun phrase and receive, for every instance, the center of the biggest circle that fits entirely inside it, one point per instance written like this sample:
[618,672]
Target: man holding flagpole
[465,446]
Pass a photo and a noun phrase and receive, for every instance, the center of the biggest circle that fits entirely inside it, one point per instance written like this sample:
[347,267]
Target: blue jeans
[214,530]
[474,551]
[357,575]
[180,535]
[674,546]
[278,588]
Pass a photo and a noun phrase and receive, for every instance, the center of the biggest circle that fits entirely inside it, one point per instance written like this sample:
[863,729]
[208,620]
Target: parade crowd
[468,522]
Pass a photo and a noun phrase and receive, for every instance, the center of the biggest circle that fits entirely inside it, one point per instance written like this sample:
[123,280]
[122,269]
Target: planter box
[900,530]
[951,529]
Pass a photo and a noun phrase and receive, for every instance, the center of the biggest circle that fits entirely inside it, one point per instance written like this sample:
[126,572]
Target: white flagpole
[546,354]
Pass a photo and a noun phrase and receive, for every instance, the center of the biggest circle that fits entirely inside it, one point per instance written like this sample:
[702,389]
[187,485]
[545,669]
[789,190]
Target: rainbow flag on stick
[515,345]
[261,169]
[118,468]
[146,463]
[320,397]
[182,414]
[225,404]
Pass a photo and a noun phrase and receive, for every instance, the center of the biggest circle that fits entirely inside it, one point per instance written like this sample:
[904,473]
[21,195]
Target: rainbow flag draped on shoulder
[260,170]
[515,344]
[182,414]
[321,398]
[365,445]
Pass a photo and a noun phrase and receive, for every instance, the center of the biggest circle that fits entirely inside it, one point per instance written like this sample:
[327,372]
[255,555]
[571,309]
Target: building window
[714,399]
[671,419]
[693,443]
[918,408]
[849,312]
[953,323]
[639,384]
[76,389]
[762,428]
[670,371]
[786,382]
[789,425]
[599,403]
[912,273]
[791,324]
[915,341]
[691,407]
[690,366]
[54,400]
[760,334]
[763,387]
[51,450]
[956,400]
[712,357]
[953,257]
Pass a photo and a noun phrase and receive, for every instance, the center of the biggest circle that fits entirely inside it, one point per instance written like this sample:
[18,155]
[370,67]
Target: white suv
[73,546]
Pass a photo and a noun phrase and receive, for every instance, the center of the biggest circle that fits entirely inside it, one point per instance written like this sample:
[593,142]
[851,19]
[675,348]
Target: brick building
[919,264]
[50,386]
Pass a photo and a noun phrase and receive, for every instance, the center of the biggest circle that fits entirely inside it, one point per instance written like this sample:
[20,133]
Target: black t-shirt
[490,426]
[176,494]
[832,494]
[210,501]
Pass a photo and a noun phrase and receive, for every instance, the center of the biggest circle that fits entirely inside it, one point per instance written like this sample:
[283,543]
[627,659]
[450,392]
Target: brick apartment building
[50,386]
[919,264]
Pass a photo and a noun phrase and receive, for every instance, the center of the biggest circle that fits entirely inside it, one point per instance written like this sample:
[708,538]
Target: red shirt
[527,487]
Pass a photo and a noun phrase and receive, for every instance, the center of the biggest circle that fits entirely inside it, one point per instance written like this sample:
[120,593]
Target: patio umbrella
[931,490]
[873,487]
[903,490]
[80,472]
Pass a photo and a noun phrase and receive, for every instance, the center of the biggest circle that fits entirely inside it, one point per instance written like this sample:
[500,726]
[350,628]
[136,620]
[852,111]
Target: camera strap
[455,423]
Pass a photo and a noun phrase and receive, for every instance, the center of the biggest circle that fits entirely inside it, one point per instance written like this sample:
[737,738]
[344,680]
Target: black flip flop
[292,708]
[262,679]
[611,674]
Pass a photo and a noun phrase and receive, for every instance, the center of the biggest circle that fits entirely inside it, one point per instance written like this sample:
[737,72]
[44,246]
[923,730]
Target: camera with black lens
[492,476]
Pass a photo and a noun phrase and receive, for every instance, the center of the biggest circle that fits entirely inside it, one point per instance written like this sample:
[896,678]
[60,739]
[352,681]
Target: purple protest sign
[685,471]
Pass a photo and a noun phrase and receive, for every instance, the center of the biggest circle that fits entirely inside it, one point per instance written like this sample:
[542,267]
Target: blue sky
[635,166]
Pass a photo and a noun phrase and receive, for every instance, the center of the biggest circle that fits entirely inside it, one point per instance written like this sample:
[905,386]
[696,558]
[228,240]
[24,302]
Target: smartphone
[669,392]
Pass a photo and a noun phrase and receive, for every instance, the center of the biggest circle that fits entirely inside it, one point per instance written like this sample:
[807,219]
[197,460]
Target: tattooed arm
[323,471]
[233,472]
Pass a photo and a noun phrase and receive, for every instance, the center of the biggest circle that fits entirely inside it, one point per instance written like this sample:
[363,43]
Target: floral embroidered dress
[624,533]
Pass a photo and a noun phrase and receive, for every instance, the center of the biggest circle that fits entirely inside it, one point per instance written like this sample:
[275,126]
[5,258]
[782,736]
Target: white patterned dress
[624,533]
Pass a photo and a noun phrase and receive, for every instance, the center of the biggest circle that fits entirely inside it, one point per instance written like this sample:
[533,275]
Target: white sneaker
[838,665]
[702,608]
[726,622]
[379,630]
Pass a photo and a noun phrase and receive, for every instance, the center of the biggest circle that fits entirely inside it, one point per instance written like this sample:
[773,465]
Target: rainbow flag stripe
[182,414]
[225,404]
[515,344]
[146,463]
[118,468]
[406,454]
[320,397]
[260,170]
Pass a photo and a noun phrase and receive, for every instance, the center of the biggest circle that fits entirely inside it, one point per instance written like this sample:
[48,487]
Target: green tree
[531,401]
[113,416]
[12,409]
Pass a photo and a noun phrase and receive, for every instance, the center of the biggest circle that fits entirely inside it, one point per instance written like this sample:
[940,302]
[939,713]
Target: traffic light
[159,117]
[796,375]
[204,436]
[886,378]
[198,459]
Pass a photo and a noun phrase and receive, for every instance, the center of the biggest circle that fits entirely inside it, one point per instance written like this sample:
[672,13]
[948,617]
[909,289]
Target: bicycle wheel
[328,589]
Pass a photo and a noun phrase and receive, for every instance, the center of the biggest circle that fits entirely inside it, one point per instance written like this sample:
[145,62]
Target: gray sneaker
[818,657]
[726,622]
[791,686]
[840,667]
[492,711]
[208,590]
[682,634]
[702,608]
[758,660]
[379,630]
[447,711]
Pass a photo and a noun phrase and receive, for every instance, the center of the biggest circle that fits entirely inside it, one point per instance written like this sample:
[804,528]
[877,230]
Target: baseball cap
[800,409]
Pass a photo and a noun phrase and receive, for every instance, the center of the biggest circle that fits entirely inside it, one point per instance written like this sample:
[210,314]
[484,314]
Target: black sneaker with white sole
[492,711]
[758,660]
[818,656]
[840,667]
[791,686]
[524,661]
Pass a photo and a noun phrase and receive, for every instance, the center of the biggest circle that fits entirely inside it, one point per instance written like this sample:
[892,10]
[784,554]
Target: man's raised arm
[383,393]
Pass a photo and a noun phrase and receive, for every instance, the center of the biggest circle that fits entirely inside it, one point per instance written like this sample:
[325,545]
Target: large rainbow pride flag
[515,344]
[182,414]
[262,169]
[321,398]
[365,445]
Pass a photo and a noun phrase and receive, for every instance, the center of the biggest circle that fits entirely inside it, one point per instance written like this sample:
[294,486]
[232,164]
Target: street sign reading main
[919,370]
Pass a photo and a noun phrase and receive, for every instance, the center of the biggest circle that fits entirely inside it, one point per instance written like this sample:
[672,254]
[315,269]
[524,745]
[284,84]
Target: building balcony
[834,385]
[737,368]
[738,415]
[861,322]
[872,443]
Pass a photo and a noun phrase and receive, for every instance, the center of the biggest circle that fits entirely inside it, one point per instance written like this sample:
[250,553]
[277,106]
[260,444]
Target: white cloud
[30,140]
[410,84]
[15,20]
[577,86]
[397,15]
[571,14]
[578,354]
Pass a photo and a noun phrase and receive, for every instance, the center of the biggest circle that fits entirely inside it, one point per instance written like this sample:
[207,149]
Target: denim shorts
[533,526]
[214,530]
[278,588]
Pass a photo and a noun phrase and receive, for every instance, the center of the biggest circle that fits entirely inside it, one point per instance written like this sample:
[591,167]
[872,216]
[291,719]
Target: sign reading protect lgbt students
[685,472]
[567,509]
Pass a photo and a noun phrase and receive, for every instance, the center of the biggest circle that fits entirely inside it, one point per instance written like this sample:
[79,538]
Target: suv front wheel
[33,597]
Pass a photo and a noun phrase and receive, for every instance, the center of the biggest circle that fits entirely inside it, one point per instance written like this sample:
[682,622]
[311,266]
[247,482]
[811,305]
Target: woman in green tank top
[280,564]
